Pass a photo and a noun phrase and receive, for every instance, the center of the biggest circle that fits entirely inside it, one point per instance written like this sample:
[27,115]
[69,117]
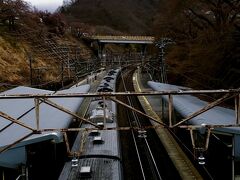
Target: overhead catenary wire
[134,139]
[164,80]
[147,147]
[189,151]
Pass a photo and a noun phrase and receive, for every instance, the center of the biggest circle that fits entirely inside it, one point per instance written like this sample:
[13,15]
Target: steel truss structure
[227,94]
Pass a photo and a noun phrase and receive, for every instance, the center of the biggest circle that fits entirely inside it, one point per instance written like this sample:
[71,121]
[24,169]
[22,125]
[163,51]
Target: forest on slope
[110,16]
[206,34]
[205,53]
[30,42]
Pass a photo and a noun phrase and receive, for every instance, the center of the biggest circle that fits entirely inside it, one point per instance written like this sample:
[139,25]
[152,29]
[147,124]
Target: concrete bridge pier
[100,49]
[144,50]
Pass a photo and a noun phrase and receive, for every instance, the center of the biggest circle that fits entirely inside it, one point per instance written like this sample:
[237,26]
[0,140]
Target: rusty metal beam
[150,93]
[4,115]
[36,101]
[102,129]
[61,108]
[206,108]
[192,138]
[67,143]
[170,101]
[13,144]
[1,130]
[137,111]
[207,138]
[209,126]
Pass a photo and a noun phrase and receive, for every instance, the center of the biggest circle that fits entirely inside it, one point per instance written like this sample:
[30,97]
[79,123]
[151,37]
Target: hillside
[206,35]
[205,54]
[128,16]
[33,47]
[12,63]
[44,71]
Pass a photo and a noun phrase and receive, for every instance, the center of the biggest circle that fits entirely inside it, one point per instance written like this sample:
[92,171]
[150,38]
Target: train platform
[152,107]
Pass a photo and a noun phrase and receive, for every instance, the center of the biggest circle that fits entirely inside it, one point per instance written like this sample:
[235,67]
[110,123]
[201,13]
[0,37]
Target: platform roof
[187,105]
[49,117]
[23,109]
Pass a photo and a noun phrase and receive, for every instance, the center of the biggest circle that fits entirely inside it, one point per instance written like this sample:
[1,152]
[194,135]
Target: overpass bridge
[124,39]
[102,40]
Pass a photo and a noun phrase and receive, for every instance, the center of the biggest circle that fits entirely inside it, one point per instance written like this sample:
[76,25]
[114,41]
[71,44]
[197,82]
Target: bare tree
[216,14]
[11,10]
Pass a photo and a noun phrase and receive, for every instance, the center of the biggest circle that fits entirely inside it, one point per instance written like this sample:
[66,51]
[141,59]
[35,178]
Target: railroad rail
[144,152]
[141,143]
[46,98]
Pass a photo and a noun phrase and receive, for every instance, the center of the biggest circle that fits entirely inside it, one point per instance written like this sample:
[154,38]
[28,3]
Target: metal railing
[123,38]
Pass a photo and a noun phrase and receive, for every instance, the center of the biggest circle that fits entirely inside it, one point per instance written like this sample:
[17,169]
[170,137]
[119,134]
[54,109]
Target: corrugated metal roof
[101,168]
[49,117]
[17,107]
[110,146]
[187,104]
[104,158]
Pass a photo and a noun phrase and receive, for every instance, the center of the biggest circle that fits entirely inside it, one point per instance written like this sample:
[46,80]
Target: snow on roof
[187,105]
[50,117]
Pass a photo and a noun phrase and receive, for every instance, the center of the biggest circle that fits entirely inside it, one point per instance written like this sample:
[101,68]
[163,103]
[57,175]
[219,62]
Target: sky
[49,5]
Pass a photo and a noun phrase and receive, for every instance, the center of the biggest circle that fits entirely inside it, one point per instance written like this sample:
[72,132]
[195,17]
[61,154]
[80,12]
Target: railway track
[141,150]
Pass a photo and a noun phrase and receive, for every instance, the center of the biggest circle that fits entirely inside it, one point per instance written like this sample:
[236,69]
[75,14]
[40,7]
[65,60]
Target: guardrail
[122,38]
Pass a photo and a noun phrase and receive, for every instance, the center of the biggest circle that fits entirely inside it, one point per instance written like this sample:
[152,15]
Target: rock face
[130,16]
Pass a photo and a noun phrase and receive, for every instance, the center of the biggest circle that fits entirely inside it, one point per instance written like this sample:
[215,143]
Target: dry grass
[13,64]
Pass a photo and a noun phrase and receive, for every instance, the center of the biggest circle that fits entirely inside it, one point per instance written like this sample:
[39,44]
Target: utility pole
[31,72]
[161,45]
[30,67]
[62,69]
